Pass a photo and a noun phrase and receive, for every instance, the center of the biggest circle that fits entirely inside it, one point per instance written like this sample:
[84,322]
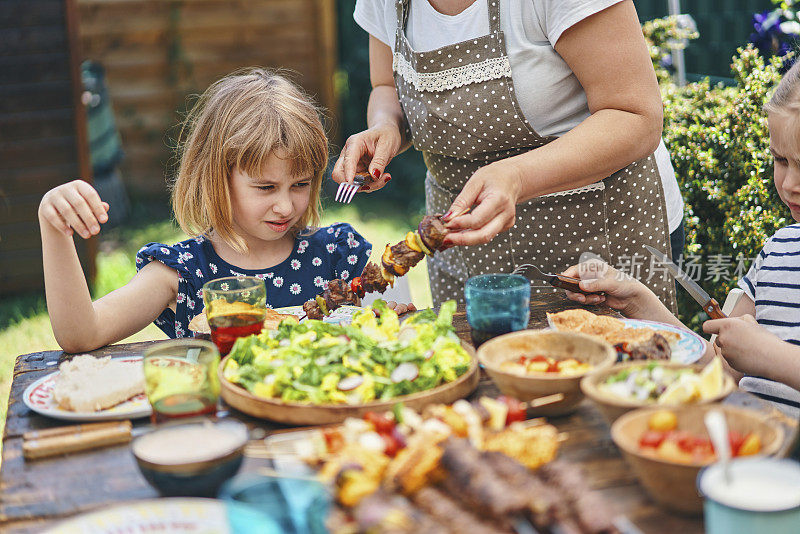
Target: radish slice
[350,383]
[405,371]
[429,354]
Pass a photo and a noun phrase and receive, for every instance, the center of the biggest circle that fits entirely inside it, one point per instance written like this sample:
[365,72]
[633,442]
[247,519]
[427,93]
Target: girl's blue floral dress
[335,251]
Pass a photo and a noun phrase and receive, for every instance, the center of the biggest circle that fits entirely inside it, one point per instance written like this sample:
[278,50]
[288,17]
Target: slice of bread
[89,384]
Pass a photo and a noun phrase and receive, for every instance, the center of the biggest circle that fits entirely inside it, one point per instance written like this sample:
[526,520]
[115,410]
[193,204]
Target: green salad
[373,358]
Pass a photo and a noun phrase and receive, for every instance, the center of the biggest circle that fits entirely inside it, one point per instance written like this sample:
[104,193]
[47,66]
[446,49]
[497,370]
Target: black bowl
[196,477]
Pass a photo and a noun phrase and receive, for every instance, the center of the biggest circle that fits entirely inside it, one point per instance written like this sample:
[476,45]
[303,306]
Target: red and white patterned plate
[173,515]
[39,398]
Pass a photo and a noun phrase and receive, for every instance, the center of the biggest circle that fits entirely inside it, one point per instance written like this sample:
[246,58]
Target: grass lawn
[25,327]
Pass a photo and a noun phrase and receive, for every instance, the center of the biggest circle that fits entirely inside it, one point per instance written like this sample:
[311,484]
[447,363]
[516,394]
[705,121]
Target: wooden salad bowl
[612,406]
[673,484]
[557,345]
[294,413]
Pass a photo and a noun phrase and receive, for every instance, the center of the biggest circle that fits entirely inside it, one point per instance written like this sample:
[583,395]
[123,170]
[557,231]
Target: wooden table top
[35,494]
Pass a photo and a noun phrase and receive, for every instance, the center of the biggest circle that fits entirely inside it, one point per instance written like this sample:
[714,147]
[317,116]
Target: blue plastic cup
[497,304]
[296,505]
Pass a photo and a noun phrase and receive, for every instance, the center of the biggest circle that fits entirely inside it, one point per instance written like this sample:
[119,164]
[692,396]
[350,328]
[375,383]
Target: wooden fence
[157,52]
[42,129]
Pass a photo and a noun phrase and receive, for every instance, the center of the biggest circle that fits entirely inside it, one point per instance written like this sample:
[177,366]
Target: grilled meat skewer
[397,260]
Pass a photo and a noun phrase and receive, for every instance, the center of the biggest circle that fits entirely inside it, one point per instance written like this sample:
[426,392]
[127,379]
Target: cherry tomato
[684,440]
[393,445]
[553,368]
[516,409]
[355,285]
[383,423]
[333,440]
[735,439]
[652,438]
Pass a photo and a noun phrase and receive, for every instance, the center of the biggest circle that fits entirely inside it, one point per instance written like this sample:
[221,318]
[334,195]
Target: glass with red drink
[181,378]
[235,307]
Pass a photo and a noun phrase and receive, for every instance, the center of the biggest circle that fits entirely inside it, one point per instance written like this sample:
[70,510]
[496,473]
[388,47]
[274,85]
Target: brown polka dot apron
[462,114]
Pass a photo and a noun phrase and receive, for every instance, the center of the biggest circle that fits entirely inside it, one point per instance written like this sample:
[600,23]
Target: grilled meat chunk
[372,279]
[447,510]
[589,508]
[312,310]
[405,257]
[432,232]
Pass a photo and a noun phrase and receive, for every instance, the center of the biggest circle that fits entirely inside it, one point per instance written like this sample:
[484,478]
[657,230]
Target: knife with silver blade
[710,306]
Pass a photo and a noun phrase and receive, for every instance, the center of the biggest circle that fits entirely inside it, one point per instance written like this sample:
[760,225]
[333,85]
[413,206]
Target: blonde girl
[253,152]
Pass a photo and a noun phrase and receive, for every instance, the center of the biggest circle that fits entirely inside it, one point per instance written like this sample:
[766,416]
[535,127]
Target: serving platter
[39,397]
[319,414]
[689,347]
[189,515]
[341,315]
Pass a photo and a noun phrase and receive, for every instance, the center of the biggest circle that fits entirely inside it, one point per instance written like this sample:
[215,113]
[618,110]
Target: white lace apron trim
[445,80]
[597,186]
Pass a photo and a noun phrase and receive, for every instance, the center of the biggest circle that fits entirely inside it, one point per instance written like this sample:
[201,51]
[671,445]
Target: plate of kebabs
[478,466]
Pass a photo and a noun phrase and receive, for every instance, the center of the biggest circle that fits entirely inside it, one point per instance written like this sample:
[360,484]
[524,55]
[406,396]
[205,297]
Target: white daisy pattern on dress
[352,259]
[295,288]
[295,264]
[330,247]
[319,281]
[345,275]
[277,281]
[317,261]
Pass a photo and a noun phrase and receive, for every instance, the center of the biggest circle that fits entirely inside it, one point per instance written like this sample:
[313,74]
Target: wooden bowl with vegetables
[667,447]
[535,363]
[627,386]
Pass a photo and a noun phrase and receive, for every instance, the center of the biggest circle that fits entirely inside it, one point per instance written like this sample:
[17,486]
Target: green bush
[719,141]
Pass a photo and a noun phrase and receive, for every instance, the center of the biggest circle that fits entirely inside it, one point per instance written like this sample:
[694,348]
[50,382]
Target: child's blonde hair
[785,101]
[237,123]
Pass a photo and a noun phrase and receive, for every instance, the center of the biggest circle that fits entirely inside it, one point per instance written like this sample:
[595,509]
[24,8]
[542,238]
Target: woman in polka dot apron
[541,199]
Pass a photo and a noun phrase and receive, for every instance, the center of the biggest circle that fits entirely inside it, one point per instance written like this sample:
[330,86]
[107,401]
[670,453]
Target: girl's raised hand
[73,206]
[368,151]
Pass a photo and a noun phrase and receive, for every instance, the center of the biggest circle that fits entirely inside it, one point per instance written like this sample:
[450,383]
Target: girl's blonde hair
[239,122]
[785,101]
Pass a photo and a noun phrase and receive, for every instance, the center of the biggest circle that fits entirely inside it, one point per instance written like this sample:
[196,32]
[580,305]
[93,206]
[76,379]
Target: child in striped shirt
[761,338]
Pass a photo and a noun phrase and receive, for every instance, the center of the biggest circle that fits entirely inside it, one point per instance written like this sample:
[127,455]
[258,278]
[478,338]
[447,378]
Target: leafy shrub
[719,141]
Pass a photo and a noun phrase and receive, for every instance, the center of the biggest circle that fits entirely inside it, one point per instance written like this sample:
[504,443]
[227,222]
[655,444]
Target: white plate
[341,315]
[688,349]
[201,516]
[39,398]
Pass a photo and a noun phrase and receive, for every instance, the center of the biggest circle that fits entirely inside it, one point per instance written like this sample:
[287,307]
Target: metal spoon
[718,431]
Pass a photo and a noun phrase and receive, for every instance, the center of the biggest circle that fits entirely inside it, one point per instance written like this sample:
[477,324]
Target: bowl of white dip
[763,496]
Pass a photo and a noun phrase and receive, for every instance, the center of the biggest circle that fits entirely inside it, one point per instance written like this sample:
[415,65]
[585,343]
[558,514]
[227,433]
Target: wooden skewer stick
[267,472]
[542,401]
[459,214]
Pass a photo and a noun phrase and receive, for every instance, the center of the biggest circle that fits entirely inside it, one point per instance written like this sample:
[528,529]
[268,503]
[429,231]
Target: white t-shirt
[549,93]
